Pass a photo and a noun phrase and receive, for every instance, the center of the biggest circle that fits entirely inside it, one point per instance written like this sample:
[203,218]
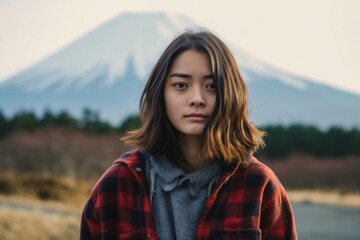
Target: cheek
[172,109]
[170,105]
[212,103]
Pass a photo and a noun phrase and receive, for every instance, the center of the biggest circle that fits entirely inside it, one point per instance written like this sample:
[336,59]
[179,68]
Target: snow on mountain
[107,49]
[106,69]
[251,63]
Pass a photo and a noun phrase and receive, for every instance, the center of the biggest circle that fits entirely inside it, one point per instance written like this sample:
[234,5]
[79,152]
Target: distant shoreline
[331,198]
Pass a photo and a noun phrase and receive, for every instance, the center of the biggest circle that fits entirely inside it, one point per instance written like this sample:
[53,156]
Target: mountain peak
[103,70]
[139,36]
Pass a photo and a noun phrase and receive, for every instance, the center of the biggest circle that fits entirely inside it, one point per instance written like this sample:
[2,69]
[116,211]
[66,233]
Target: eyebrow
[183,75]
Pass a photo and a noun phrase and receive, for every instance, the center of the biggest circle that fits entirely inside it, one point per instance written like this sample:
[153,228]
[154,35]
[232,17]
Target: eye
[180,85]
[211,86]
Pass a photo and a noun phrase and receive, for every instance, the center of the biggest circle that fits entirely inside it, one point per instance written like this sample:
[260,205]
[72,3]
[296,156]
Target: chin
[193,132]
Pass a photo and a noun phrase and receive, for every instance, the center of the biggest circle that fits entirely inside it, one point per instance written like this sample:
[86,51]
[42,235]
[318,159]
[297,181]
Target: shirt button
[138,169]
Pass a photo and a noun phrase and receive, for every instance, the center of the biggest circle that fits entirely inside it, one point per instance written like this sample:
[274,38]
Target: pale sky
[319,39]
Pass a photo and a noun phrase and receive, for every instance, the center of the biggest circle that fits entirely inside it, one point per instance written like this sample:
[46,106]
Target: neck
[191,152]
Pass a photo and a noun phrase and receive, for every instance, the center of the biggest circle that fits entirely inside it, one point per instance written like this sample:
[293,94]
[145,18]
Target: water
[318,222]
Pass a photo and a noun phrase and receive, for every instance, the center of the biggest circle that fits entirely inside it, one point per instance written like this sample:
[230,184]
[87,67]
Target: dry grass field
[41,207]
[44,187]
[20,220]
[304,172]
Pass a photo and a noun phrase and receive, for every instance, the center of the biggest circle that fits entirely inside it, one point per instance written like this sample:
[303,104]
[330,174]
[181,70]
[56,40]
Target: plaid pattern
[247,203]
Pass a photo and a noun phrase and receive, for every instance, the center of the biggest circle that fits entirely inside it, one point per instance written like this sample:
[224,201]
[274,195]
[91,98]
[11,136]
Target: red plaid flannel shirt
[247,203]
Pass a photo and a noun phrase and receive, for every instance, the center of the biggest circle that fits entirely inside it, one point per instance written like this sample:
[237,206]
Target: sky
[319,39]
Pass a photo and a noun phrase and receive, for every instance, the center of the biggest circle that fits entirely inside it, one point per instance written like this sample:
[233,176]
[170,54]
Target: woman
[193,174]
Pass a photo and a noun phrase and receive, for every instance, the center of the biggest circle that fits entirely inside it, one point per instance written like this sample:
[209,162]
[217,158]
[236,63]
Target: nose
[197,98]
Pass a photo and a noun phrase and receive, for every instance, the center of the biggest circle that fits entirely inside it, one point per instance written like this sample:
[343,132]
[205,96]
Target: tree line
[335,142]
[90,122]
[281,140]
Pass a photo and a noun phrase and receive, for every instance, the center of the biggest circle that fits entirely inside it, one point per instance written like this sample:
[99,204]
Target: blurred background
[71,73]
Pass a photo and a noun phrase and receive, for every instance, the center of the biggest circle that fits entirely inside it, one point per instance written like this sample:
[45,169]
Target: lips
[196,116]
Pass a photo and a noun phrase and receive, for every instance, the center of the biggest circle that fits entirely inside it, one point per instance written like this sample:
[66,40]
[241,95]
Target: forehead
[190,60]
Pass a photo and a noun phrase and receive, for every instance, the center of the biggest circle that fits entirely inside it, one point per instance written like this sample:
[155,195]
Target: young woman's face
[190,93]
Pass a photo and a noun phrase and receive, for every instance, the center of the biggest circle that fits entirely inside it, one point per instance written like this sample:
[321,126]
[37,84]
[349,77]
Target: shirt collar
[173,176]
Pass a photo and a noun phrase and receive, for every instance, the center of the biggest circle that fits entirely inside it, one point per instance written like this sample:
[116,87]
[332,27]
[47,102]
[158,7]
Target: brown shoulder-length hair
[229,135]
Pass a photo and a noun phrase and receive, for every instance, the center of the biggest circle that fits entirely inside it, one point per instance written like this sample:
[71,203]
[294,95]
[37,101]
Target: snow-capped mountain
[107,68]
